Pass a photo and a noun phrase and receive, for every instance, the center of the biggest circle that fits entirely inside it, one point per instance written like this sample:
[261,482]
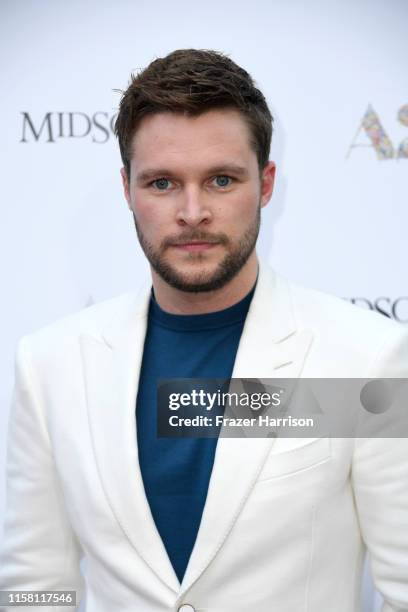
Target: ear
[267,182]
[126,186]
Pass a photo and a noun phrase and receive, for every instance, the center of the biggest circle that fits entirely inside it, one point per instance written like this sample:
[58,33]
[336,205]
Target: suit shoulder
[90,320]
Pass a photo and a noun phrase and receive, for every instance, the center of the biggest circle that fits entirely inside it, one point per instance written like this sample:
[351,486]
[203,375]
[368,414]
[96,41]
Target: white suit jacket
[286,522]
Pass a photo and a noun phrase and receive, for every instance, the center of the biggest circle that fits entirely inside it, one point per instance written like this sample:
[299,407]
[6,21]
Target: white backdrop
[335,75]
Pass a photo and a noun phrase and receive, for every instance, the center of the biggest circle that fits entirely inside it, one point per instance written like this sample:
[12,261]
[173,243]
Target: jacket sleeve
[380,482]
[39,550]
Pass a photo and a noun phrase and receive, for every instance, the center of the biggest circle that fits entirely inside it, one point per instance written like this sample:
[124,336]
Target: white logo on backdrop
[54,127]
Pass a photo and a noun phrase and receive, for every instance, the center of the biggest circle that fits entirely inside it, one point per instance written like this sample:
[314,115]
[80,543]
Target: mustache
[194,236]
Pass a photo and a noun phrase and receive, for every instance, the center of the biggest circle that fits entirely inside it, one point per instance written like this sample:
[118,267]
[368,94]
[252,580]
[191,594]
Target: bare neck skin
[175,301]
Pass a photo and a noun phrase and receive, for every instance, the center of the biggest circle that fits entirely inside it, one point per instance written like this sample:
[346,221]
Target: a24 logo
[379,138]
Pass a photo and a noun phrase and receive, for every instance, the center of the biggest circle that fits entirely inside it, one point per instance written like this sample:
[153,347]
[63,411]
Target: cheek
[240,209]
[153,217]
[152,224]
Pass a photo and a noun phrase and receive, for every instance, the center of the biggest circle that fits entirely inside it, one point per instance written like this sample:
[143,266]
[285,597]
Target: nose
[193,208]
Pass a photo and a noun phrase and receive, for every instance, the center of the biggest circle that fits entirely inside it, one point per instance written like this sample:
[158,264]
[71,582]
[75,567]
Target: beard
[236,257]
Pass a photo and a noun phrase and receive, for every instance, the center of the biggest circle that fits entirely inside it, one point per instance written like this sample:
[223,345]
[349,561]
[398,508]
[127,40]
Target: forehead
[213,136]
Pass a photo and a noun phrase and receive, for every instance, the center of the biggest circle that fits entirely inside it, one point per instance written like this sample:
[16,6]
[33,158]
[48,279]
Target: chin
[200,279]
[195,278]
[195,268]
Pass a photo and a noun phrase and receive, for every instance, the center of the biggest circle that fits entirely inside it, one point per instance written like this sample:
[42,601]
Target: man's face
[195,193]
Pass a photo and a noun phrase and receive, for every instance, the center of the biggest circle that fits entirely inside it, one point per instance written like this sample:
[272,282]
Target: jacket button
[186,608]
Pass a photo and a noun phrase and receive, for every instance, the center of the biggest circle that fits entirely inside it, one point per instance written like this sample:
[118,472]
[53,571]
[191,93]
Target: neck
[175,301]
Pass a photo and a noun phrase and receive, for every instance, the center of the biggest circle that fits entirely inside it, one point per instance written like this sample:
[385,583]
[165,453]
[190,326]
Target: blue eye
[161,184]
[222,180]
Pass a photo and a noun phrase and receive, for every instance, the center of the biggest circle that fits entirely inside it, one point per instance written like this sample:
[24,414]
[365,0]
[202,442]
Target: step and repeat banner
[335,76]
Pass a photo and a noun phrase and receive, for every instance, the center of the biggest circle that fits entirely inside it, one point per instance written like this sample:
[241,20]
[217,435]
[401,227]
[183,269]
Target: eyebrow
[151,173]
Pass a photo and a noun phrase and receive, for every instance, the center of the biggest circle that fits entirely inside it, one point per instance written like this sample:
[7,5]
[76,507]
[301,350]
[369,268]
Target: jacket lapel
[270,347]
[111,366]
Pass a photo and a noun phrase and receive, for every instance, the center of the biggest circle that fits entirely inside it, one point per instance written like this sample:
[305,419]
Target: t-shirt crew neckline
[212,320]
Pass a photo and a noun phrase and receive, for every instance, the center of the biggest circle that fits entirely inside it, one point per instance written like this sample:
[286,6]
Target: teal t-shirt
[176,471]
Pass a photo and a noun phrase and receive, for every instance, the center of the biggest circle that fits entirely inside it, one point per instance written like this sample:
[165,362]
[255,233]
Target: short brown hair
[192,81]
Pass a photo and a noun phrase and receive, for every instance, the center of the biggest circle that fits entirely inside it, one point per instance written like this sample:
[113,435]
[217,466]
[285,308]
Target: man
[200,524]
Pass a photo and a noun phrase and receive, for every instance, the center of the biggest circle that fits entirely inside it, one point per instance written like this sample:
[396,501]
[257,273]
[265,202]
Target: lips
[195,246]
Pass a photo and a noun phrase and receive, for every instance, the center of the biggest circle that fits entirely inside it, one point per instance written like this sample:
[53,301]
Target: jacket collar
[271,346]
